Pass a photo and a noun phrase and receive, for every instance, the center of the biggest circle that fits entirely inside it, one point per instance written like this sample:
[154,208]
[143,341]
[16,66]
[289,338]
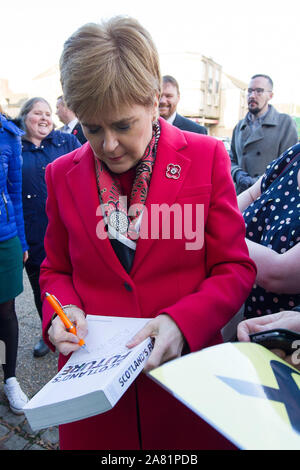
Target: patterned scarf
[124,225]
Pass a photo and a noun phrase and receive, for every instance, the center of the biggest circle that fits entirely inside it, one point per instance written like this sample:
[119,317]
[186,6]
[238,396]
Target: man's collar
[270,119]
[72,124]
[252,118]
[171,119]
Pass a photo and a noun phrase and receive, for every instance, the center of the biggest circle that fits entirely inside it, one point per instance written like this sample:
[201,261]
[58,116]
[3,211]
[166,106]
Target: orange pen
[57,307]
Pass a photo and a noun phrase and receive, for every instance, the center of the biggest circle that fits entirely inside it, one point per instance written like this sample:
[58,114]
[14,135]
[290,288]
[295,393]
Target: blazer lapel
[163,187]
[254,136]
[81,180]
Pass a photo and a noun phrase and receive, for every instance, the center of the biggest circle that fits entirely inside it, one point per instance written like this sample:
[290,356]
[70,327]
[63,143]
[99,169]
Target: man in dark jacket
[261,137]
[167,107]
[71,123]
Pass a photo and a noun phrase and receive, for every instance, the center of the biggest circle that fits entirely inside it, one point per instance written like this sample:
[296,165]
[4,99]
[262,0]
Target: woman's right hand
[64,341]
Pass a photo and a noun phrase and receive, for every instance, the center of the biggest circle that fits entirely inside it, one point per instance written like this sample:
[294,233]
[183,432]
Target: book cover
[243,390]
[92,381]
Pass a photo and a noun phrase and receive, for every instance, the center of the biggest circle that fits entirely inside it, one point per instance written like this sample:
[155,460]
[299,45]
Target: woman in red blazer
[179,257]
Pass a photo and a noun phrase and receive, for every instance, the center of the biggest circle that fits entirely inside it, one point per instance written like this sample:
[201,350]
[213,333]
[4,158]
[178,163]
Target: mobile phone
[277,339]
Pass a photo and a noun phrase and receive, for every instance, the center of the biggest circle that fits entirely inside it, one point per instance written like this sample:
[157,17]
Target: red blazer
[200,289]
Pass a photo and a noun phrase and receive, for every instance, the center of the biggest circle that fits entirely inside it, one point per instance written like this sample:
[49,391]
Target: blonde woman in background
[41,144]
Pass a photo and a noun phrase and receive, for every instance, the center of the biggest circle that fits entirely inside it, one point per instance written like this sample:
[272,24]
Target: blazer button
[127,287]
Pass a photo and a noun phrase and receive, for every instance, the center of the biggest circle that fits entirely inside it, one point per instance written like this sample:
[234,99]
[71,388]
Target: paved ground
[33,374]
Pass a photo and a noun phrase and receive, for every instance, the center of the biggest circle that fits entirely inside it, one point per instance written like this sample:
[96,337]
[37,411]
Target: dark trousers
[9,334]
[33,273]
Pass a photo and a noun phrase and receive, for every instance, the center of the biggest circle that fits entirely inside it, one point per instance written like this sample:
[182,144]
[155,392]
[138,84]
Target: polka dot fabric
[273,220]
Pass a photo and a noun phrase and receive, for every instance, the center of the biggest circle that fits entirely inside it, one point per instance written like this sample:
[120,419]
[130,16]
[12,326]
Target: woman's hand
[288,320]
[168,344]
[64,341]
[25,256]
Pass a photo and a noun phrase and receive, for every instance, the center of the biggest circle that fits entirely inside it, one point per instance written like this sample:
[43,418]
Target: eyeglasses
[257,91]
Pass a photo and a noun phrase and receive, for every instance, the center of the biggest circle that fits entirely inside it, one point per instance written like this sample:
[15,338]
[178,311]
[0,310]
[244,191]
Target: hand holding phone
[277,339]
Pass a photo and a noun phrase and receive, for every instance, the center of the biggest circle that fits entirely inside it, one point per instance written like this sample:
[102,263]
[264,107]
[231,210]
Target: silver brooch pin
[173,171]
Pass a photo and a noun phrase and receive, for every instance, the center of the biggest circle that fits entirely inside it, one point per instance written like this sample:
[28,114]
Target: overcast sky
[258,36]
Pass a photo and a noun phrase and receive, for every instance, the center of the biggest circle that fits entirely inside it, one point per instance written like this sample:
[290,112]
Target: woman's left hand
[168,344]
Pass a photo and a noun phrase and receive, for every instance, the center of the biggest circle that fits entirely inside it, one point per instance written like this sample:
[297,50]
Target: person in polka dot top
[271,210]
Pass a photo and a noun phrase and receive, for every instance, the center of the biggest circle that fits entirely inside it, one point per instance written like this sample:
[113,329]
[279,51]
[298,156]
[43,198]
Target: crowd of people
[124,145]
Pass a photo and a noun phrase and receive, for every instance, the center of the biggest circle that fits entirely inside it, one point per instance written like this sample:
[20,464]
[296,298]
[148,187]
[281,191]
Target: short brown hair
[108,65]
[172,80]
[264,76]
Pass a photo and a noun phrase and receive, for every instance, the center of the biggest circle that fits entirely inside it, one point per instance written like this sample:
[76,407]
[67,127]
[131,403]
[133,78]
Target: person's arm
[56,276]
[233,156]
[241,178]
[250,195]
[14,187]
[289,135]
[276,272]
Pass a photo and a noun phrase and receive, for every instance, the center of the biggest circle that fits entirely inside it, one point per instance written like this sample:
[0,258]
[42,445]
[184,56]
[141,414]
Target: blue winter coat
[11,213]
[35,160]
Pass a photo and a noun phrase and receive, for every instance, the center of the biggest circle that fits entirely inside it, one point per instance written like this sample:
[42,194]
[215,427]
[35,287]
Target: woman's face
[39,122]
[120,138]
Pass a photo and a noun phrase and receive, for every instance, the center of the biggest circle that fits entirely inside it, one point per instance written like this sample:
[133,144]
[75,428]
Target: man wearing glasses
[261,136]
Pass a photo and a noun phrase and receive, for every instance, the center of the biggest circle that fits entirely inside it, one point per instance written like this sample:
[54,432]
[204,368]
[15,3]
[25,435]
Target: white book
[92,381]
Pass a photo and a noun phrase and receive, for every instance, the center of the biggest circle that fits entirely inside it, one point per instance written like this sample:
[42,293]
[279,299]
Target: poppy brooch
[173,171]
